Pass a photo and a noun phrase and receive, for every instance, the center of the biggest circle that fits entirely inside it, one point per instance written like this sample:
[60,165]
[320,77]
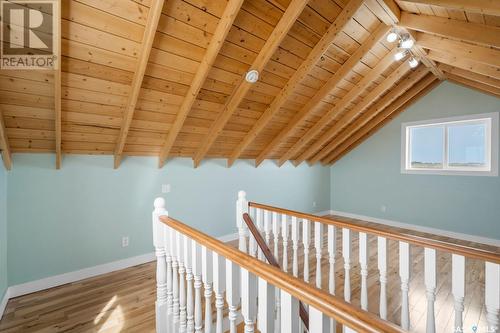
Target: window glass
[467,145]
[427,147]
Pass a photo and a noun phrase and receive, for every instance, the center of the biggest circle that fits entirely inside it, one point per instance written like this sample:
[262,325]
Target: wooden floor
[123,301]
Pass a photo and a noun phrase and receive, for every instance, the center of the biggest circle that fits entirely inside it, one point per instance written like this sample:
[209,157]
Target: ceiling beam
[142,62]
[320,48]
[347,99]
[354,112]
[380,105]
[470,75]
[475,85]
[306,66]
[472,32]
[57,89]
[398,106]
[4,144]
[223,27]
[272,43]
[485,55]
[489,7]
[466,64]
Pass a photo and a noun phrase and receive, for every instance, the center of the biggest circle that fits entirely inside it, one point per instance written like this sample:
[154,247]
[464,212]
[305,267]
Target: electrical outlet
[383,208]
[125,241]
[314,203]
[165,188]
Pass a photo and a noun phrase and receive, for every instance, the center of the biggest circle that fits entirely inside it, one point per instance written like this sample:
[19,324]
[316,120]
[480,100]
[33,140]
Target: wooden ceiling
[166,77]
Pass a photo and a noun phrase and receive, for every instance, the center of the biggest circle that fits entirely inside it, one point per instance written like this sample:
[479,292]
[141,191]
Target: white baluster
[188,263]
[346,253]
[295,240]
[363,263]
[159,230]
[318,244]
[197,270]
[265,315]
[242,208]
[332,245]
[219,288]
[276,234]
[404,274]
[289,313]
[284,235]
[458,289]
[170,291]
[306,240]
[175,280]
[207,277]
[248,299]
[430,285]
[318,322]
[182,281]
[382,268]
[260,227]
[492,296]
[252,243]
[232,293]
[267,226]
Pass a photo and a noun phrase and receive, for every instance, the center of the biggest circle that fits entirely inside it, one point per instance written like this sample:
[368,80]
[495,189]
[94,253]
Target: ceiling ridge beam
[354,92]
[472,32]
[488,7]
[354,112]
[135,89]
[280,31]
[305,67]
[470,75]
[57,89]
[4,143]
[398,106]
[380,105]
[485,55]
[475,85]
[221,31]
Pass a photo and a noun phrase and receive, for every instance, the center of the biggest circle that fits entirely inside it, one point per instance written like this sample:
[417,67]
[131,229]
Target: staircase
[250,295]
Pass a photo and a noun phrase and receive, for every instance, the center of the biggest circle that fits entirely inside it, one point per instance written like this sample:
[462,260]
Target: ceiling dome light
[406,42]
[392,36]
[413,62]
[400,55]
[252,76]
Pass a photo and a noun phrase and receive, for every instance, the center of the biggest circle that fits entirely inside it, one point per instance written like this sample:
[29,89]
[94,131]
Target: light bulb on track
[400,55]
[406,42]
[392,36]
[413,62]
[252,76]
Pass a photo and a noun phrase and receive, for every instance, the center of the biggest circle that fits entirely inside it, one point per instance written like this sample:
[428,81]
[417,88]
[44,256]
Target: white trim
[435,231]
[3,303]
[323,213]
[492,146]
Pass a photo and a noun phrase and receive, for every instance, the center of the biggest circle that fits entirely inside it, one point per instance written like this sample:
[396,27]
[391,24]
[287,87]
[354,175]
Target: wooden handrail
[467,251]
[331,306]
[272,261]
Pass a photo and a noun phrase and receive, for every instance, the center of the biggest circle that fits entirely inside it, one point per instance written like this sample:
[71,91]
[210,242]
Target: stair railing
[248,284]
[274,222]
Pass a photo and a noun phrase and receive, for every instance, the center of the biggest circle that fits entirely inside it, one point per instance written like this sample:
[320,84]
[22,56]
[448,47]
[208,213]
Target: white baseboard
[3,303]
[435,231]
[58,280]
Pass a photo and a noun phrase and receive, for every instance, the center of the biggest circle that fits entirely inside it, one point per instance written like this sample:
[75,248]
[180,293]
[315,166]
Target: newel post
[159,232]
[242,208]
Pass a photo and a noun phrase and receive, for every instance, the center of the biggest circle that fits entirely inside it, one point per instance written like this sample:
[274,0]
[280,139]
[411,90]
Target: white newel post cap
[158,226]
[242,195]
[241,208]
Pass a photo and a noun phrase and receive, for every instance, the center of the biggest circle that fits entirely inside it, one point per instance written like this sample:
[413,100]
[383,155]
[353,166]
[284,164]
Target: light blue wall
[68,219]
[369,176]
[3,231]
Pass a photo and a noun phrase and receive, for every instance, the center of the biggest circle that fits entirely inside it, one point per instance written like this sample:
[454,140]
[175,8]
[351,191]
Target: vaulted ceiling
[166,77]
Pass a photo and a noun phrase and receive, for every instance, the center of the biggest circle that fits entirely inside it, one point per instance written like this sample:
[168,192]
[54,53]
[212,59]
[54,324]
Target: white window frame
[492,145]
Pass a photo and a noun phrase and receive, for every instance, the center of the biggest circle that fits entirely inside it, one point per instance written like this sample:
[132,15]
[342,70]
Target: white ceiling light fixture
[400,55]
[252,76]
[392,36]
[413,62]
[406,42]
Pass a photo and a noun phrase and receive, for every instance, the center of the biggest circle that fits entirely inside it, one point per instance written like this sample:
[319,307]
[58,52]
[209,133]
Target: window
[453,146]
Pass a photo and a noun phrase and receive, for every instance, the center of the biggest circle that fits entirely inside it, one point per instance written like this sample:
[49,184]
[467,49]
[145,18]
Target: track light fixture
[406,42]
[413,62]
[392,36]
[400,55]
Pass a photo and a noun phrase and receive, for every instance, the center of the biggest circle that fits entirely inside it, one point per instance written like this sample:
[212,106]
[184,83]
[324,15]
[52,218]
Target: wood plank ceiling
[166,77]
